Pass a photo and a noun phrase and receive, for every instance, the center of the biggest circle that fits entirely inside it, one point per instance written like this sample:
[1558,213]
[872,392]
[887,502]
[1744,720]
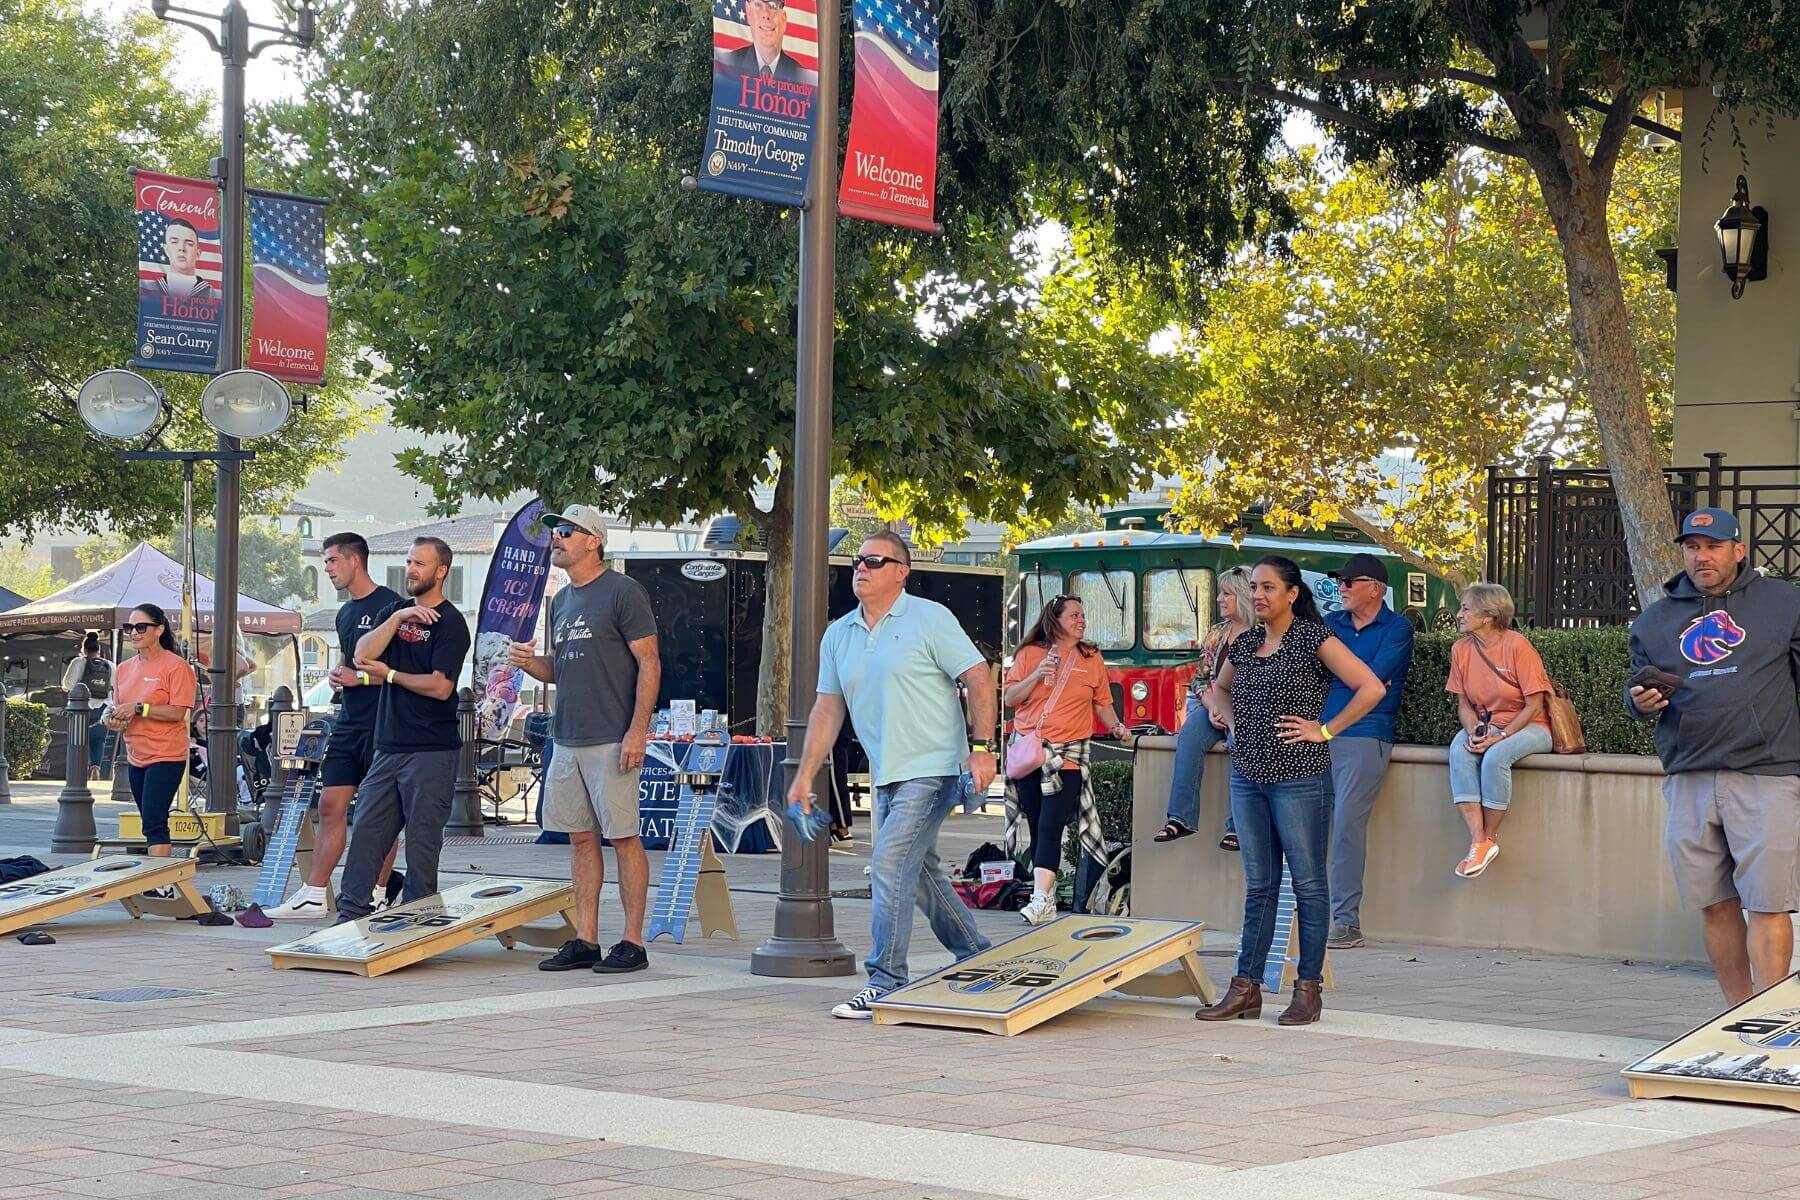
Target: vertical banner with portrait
[180,291]
[288,324]
[765,80]
[510,603]
[890,169]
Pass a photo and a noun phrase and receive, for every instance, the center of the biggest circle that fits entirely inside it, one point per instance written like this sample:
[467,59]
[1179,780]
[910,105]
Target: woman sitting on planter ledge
[1200,730]
[1500,686]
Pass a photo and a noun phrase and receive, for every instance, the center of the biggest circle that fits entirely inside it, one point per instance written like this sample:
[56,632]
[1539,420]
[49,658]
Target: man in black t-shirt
[416,650]
[352,746]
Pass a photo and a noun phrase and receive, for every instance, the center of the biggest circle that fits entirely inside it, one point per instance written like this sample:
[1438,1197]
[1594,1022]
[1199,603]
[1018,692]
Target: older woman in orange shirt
[1057,686]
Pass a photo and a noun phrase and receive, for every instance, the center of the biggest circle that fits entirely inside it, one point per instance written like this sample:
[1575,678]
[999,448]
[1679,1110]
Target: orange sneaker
[1480,855]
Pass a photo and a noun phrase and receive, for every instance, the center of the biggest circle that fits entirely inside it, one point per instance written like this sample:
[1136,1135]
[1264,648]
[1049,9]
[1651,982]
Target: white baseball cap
[584,517]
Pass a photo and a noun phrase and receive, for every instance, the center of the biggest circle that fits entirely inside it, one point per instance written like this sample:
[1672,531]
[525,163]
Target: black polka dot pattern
[1292,682]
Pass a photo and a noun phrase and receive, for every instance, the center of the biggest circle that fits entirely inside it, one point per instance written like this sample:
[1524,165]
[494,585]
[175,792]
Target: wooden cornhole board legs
[1049,970]
[120,877]
[409,933]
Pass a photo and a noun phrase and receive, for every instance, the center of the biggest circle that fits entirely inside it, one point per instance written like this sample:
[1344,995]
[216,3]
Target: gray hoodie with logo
[1740,654]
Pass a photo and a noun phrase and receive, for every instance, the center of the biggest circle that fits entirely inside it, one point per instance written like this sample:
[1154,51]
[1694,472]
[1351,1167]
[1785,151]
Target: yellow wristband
[362,677]
[1325,731]
[391,674]
[143,710]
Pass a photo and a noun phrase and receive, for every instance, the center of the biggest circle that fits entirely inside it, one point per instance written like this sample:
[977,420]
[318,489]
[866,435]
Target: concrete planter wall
[1582,870]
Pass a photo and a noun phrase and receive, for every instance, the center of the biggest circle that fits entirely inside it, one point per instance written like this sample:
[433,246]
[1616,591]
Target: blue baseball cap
[1710,522]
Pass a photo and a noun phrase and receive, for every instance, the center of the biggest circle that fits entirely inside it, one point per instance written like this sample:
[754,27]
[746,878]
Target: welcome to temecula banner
[765,80]
[890,172]
[288,325]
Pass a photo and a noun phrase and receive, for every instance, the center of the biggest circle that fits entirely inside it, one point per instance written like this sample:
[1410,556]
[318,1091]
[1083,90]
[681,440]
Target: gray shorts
[1734,836]
[585,792]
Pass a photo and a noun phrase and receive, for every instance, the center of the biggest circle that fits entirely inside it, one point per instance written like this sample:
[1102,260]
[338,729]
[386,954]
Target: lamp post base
[802,958]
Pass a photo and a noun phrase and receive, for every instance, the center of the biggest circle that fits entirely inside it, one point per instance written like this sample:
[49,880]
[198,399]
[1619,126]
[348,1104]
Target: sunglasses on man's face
[873,562]
[566,531]
[138,626]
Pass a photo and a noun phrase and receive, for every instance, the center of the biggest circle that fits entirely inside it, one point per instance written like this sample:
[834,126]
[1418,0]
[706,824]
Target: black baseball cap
[1712,523]
[1361,566]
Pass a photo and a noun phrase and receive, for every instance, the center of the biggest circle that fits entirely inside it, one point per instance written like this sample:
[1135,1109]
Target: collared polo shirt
[1386,645]
[898,681]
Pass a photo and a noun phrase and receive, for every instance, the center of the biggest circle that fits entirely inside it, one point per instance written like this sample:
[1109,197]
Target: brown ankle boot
[1243,1000]
[1306,1005]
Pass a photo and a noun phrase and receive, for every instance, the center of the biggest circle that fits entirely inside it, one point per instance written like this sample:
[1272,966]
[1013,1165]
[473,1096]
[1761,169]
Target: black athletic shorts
[347,757]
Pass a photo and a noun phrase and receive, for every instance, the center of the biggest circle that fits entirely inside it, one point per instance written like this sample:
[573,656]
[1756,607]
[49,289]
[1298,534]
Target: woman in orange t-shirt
[1058,687]
[153,697]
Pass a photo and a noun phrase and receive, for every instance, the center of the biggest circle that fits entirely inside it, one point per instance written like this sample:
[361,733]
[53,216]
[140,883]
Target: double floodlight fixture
[123,405]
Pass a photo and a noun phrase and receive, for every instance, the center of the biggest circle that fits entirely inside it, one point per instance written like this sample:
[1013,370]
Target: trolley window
[1178,607]
[1037,588]
[1110,598]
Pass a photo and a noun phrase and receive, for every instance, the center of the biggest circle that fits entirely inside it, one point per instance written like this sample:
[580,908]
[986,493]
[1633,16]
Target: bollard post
[74,832]
[5,766]
[281,702]
[465,802]
[121,772]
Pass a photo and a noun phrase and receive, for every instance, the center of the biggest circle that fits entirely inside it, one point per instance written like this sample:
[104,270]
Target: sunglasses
[873,562]
[139,626]
[566,531]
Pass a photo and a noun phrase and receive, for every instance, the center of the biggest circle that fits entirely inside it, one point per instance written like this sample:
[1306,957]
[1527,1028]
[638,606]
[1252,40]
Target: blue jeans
[1486,778]
[905,871]
[1276,819]
[1197,736]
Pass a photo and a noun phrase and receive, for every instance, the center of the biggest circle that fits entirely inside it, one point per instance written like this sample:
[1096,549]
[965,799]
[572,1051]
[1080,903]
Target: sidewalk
[472,1075]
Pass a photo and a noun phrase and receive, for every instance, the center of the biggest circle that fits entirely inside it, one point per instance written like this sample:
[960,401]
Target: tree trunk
[1600,326]
[778,609]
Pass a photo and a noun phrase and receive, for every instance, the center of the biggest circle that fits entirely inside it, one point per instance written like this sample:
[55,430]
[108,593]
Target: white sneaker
[1041,910]
[307,904]
[859,1007]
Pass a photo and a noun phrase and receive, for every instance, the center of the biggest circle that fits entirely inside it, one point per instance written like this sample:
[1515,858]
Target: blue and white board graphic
[1285,917]
[689,840]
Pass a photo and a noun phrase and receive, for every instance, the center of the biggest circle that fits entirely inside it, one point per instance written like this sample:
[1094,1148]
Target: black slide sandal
[1173,831]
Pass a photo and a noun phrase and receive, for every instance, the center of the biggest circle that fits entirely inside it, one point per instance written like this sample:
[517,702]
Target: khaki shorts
[585,792]
[1734,836]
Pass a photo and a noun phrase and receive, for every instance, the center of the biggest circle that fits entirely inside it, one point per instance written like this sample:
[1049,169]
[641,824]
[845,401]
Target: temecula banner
[179,301]
[509,611]
[765,79]
[890,172]
[287,328]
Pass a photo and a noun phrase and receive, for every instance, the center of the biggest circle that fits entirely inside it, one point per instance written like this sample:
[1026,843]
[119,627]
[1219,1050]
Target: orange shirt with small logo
[1073,718]
[159,677]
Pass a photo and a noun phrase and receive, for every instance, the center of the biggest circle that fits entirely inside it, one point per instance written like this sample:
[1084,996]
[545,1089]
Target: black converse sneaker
[575,955]
[860,1007]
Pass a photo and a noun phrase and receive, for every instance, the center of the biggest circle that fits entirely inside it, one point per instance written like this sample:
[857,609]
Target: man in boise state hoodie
[1729,741]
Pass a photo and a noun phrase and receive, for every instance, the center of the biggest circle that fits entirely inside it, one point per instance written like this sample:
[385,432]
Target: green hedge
[27,734]
[1112,796]
[1590,663]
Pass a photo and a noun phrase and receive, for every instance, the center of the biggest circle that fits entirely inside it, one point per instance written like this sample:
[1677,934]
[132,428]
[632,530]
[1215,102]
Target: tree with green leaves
[1162,118]
[83,98]
[271,564]
[1429,323]
[530,278]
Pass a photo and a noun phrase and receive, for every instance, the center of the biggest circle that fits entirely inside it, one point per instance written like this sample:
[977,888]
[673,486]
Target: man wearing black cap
[1716,664]
[1383,639]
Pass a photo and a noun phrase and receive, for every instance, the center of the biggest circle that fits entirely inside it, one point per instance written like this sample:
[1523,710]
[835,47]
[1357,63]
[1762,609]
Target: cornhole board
[1749,1054]
[398,937]
[1011,987]
[693,878]
[121,877]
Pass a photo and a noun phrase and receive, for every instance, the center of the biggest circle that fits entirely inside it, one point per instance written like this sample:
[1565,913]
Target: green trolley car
[1150,596]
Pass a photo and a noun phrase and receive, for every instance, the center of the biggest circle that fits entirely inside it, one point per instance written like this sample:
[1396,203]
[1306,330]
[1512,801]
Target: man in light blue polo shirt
[1383,639]
[893,664]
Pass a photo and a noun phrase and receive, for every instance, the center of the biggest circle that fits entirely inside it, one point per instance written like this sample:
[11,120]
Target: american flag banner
[288,324]
[179,302]
[890,171]
[765,79]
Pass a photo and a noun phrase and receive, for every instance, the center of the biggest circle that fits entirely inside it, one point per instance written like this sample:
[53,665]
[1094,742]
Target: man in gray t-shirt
[603,661]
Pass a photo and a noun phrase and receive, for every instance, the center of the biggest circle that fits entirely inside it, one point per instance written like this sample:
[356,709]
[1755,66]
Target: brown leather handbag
[1566,736]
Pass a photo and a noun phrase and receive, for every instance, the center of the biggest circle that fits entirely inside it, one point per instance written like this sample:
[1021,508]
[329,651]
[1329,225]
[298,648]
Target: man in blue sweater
[1715,662]
[1383,639]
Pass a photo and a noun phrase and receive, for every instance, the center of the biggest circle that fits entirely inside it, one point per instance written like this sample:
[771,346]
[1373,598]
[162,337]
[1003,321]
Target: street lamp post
[231,41]
[805,944]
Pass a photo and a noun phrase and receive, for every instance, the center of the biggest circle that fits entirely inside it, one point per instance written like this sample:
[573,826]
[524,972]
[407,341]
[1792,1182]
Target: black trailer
[709,615]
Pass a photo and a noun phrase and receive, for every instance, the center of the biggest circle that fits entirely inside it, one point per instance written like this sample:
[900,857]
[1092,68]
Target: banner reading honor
[179,300]
[765,80]
[509,611]
[288,325]
[890,171]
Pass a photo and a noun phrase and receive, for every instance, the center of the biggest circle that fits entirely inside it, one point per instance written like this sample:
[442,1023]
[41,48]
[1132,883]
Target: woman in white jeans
[1500,686]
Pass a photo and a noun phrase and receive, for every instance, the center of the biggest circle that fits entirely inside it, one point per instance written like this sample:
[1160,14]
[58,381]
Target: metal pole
[269,803]
[804,944]
[74,832]
[465,803]
[5,766]
[222,719]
